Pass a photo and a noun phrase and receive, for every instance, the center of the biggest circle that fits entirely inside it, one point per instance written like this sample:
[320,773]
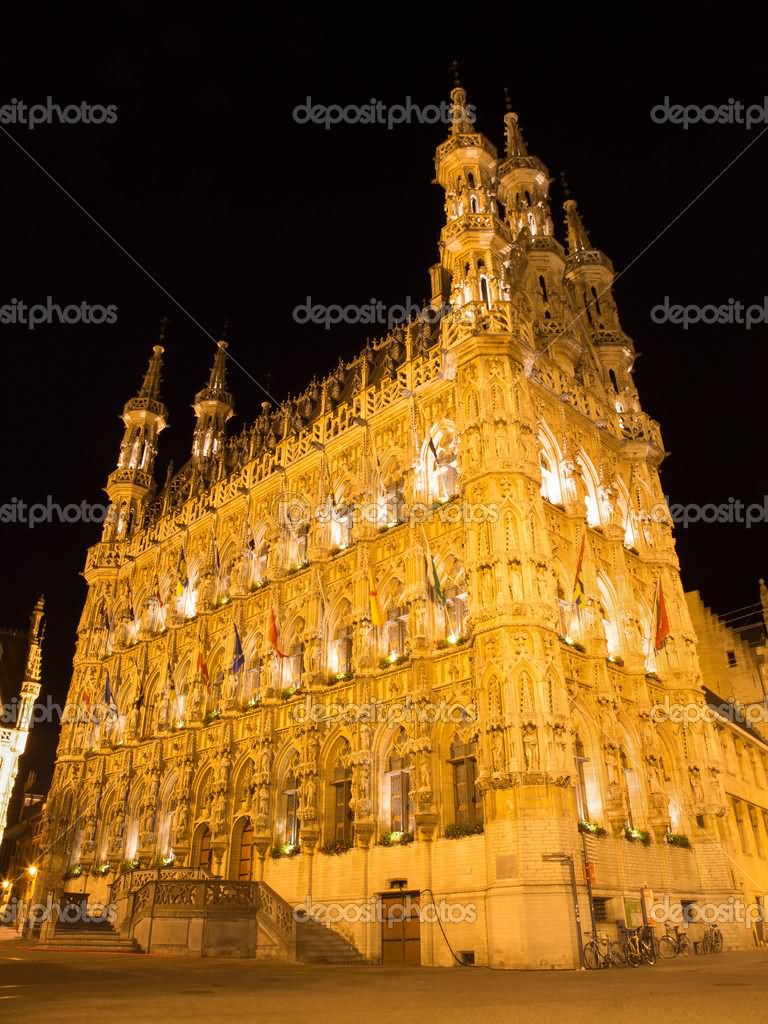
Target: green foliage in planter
[130,865]
[459,831]
[339,677]
[678,840]
[74,872]
[100,870]
[211,716]
[456,642]
[285,850]
[339,847]
[572,643]
[389,662]
[637,835]
[590,829]
[396,839]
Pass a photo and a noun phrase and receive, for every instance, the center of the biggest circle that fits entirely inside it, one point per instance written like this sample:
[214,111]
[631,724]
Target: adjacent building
[20,674]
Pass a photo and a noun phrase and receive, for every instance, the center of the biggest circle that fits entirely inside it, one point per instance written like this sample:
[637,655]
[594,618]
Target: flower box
[637,835]
[589,828]
[678,840]
[460,831]
[396,839]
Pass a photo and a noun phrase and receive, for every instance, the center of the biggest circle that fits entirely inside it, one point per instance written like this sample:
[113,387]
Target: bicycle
[640,947]
[603,952]
[713,940]
[674,943]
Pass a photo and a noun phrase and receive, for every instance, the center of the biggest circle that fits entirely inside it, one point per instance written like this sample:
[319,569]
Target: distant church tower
[13,736]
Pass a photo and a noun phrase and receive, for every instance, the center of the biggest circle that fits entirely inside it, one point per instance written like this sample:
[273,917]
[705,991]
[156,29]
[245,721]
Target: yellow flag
[377,612]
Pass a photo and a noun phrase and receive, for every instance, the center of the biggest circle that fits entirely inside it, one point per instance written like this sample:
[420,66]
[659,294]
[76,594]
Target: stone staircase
[269,926]
[316,944]
[91,937]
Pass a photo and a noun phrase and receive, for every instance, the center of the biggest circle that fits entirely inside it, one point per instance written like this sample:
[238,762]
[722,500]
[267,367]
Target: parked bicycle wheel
[684,945]
[592,955]
[717,941]
[706,943]
[667,947]
[649,952]
[632,952]
[617,954]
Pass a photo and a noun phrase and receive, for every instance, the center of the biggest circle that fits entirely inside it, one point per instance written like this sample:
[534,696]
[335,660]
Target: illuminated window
[581,786]
[341,788]
[400,801]
[292,821]
[395,632]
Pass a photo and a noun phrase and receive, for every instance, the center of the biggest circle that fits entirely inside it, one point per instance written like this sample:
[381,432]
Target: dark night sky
[240,213]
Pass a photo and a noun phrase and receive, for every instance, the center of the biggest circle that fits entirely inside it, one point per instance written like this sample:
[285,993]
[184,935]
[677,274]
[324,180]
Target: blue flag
[239,659]
[109,699]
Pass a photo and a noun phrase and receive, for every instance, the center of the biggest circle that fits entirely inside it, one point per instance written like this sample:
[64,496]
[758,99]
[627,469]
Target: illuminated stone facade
[492,438]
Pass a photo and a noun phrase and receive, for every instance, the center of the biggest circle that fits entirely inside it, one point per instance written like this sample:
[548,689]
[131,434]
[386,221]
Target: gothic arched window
[398,778]
[341,793]
[291,805]
[467,802]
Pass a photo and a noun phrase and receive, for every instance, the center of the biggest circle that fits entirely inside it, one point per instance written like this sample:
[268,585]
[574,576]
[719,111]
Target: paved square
[48,988]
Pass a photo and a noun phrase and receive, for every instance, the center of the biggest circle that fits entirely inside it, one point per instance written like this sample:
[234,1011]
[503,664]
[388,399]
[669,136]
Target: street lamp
[566,858]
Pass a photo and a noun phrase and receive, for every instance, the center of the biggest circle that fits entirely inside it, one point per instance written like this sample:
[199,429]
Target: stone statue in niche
[497,750]
[531,747]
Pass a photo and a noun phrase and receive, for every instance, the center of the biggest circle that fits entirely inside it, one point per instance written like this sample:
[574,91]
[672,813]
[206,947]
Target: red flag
[202,668]
[274,632]
[662,620]
[578,595]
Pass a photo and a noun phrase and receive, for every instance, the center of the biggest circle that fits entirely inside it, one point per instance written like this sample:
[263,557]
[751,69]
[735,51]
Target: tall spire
[217,379]
[151,385]
[145,417]
[523,185]
[462,123]
[213,406]
[36,635]
[578,239]
[515,143]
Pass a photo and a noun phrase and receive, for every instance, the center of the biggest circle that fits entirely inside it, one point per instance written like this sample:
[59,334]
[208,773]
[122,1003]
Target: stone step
[90,940]
[318,944]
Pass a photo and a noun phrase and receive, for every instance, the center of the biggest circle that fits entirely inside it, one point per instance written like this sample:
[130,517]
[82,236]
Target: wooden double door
[400,928]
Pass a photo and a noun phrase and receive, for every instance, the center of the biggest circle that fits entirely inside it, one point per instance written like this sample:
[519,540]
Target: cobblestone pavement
[109,988]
